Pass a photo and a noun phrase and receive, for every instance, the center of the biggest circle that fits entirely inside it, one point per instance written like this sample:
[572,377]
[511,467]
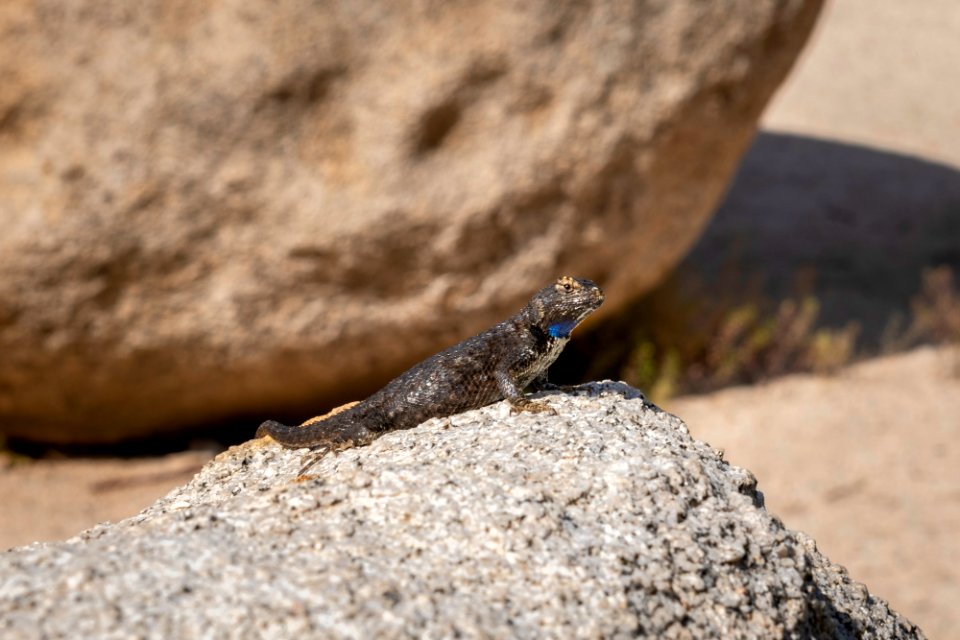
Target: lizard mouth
[595,302]
[598,297]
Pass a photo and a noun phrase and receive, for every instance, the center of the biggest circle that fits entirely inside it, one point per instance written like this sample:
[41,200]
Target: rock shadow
[861,223]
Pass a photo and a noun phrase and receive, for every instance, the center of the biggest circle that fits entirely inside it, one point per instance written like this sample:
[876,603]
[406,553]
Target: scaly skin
[496,364]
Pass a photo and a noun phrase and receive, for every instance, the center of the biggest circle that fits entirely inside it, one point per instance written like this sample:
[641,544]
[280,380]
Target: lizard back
[495,364]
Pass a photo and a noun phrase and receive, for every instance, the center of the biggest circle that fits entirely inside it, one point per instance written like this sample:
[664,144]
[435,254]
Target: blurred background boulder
[212,209]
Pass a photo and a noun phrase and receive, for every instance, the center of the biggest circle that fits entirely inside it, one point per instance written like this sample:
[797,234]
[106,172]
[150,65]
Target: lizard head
[560,307]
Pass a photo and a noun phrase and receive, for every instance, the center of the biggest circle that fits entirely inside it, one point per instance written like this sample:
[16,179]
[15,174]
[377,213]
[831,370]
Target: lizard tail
[268,427]
[336,430]
[293,437]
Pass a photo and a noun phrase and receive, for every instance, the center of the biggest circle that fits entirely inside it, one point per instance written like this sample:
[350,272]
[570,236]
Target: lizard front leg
[514,394]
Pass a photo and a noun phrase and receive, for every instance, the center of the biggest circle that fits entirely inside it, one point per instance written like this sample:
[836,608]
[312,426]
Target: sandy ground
[867,462]
[51,500]
[880,73]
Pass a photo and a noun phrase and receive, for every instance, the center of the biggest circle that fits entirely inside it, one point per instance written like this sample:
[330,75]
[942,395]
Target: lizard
[496,364]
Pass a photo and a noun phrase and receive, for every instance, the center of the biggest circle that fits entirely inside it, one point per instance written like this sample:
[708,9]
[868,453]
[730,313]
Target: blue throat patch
[561,329]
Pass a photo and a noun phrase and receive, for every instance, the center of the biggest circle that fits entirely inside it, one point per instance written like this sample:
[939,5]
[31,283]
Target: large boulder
[210,209]
[606,520]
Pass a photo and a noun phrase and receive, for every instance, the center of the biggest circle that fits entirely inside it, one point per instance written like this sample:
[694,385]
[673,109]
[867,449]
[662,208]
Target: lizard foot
[317,453]
[518,405]
[312,459]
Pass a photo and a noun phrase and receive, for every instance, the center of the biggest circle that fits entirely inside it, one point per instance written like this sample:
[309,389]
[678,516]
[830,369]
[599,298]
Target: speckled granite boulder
[223,208]
[605,520]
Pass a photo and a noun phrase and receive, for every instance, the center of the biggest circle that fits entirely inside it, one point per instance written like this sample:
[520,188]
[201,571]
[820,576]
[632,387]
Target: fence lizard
[496,364]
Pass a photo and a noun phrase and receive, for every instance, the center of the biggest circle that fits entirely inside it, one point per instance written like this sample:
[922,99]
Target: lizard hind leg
[313,458]
[337,441]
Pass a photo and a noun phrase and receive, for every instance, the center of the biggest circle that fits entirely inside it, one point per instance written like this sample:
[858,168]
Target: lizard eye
[567,286]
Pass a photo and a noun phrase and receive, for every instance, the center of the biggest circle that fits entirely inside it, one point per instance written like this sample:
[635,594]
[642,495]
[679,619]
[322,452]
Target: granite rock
[606,520]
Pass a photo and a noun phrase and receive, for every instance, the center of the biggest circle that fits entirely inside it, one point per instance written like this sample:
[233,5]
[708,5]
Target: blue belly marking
[561,329]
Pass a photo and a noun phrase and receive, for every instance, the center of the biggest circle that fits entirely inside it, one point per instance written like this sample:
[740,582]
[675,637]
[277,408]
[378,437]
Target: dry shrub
[936,310]
[686,338]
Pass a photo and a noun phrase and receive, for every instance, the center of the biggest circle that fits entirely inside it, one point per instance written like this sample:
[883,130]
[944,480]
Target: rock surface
[215,208]
[865,461]
[606,520]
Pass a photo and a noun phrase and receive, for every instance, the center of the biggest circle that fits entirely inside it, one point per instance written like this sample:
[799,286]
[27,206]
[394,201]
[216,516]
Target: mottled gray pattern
[606,520]
[496,364]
